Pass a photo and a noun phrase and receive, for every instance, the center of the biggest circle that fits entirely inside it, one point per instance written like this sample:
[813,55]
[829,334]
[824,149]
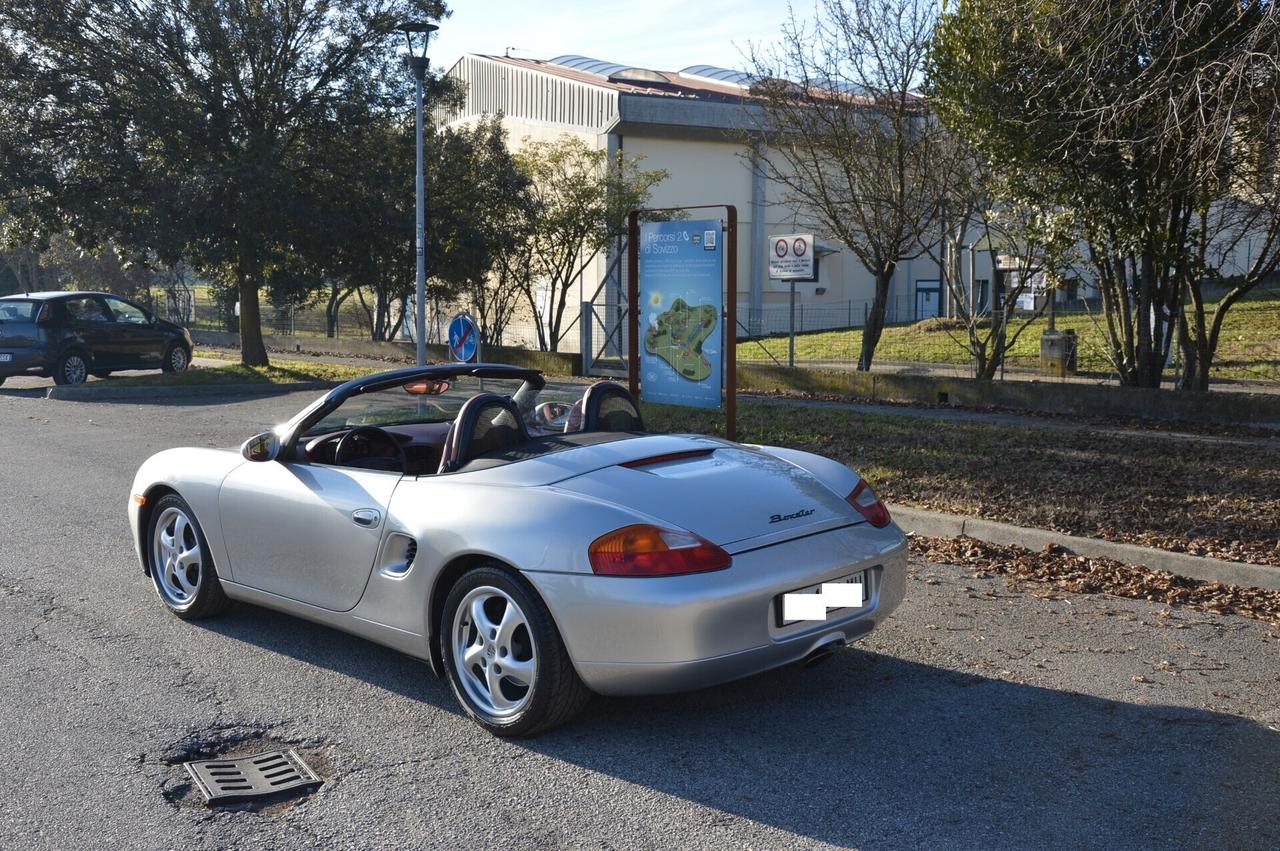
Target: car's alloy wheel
[504,657]
[72,368]
[175,359]
[493,652]
[181,568]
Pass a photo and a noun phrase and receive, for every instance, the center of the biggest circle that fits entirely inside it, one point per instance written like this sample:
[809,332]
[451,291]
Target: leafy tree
[580,201]
[1154,123]
[846,138]
[178,125]
[482,210]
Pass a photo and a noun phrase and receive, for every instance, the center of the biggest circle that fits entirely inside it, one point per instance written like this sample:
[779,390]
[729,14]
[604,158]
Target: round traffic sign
[799,247]
[780,248]
[464,338]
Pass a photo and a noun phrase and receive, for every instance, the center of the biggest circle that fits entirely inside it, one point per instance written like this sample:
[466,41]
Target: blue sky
[665,35]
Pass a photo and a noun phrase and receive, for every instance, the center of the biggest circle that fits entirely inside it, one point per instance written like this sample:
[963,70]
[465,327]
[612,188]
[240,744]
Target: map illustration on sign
[681,280]
[677,337]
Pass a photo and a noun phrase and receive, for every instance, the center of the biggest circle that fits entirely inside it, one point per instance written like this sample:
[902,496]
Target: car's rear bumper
[23,360]
[654,635]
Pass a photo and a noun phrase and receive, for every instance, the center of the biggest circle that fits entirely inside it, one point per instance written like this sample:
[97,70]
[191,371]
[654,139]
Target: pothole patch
[307,758]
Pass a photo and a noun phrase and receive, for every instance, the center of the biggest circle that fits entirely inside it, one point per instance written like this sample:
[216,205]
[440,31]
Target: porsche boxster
[532,545]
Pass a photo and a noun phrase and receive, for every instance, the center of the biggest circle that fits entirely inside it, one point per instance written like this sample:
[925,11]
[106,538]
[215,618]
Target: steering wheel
[369,434]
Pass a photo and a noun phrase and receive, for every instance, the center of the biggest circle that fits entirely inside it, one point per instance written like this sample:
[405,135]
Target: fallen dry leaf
[1053,567]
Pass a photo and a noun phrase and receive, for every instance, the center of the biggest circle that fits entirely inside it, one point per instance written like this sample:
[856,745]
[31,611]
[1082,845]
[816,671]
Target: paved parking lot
[35,382]
[980,717]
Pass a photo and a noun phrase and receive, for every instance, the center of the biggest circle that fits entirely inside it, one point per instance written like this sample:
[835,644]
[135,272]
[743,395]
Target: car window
[17,311]
[86,309]
[126,312]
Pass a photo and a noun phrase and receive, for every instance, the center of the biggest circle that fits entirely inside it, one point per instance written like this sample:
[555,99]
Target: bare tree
[845,135]
[1154,122]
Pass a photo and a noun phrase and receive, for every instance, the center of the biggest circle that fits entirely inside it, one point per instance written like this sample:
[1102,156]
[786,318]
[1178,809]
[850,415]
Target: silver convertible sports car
[533,547]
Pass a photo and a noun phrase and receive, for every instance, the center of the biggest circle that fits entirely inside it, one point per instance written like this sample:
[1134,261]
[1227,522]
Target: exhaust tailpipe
[819,655]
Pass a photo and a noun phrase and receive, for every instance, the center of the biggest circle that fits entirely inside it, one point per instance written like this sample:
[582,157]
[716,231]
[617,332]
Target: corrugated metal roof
[722,75]
[586,63]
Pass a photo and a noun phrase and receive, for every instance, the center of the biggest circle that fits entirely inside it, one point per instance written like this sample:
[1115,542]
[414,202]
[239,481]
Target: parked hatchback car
[68,336]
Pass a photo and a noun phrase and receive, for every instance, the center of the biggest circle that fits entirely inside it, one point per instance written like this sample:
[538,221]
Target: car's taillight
[865,502]
[644,550]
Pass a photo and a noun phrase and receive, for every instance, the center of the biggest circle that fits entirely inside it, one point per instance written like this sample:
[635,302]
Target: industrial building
[689,122]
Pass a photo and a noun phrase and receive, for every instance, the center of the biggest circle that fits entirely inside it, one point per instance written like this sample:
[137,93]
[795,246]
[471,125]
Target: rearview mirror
[426,387]
[261,447]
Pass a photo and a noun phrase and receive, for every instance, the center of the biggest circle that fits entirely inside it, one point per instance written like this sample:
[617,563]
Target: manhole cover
[223,781]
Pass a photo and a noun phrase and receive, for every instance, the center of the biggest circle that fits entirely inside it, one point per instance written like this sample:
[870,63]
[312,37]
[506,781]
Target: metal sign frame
[729,319]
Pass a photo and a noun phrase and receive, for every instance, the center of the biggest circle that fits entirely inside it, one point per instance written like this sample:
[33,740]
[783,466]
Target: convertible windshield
[440,404]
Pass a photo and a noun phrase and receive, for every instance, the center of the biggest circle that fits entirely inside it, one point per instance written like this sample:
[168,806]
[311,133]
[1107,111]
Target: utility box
[1058,353]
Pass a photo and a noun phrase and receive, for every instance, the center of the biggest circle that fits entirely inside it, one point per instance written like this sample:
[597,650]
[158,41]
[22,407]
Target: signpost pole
[730,347]
[791,333]
[633,302]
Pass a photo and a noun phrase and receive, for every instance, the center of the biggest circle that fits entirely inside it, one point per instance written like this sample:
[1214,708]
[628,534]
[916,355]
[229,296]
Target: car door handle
[365,517]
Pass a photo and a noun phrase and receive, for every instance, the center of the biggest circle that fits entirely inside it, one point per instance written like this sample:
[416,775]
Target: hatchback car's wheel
[504,656]
[176,359]
[71,368]
[181,567]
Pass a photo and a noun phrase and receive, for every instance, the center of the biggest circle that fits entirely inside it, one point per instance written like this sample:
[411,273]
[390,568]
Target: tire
[71,368]
[188,598]
[102,373]
[554,693]
[176,358]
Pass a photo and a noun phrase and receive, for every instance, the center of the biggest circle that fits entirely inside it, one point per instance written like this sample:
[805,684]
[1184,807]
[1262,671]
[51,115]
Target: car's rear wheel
[176,359]
[181,567]
[71,368]
[504,656]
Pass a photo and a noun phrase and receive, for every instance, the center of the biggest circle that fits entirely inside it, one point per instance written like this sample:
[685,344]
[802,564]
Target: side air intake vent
[398,555]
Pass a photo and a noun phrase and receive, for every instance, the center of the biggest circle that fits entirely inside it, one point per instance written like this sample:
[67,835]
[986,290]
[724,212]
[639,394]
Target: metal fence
[351,320]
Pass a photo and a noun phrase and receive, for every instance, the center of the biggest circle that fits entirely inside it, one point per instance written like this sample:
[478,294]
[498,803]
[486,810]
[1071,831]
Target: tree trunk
[253,352]
[875,319]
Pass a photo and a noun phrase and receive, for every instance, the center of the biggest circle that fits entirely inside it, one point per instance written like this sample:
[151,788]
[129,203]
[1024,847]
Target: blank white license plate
[817,601]
[5,357]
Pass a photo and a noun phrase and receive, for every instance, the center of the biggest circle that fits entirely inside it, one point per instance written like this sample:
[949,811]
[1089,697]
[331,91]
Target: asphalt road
[980,717]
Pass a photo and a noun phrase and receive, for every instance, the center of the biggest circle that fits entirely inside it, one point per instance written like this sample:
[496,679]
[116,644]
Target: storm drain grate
[223,781]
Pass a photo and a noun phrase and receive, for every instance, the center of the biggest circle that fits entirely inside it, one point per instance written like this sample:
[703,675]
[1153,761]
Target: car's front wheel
[181,568]
[71,368]
[176,359]
[504,656]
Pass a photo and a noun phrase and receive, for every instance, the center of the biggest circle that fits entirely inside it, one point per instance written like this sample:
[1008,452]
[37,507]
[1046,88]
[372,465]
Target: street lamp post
[417,64]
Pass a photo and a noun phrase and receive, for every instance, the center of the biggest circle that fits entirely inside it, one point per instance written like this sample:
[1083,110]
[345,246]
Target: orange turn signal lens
[645,550]
[140,499]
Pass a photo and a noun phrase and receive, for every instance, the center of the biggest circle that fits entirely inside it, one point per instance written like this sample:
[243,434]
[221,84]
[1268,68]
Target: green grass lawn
[1249,347]
[279,372]
[1186,495]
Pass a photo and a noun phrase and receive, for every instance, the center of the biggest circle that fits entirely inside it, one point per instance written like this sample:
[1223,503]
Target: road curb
[93,393]
[936,524]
